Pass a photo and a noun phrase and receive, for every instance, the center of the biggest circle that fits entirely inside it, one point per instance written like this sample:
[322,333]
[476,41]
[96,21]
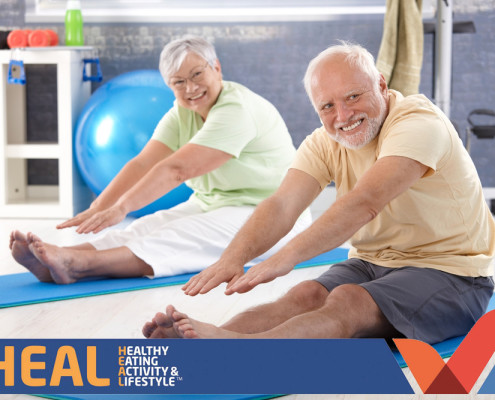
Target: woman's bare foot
[189,328]
[19,246]
[57,260]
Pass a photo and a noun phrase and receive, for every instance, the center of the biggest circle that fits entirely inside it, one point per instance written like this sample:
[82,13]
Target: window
[210,10]
[203,10]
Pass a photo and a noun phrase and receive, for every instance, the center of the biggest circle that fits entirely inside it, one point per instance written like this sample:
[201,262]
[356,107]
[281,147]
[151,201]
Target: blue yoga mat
[447,347]
[24,288]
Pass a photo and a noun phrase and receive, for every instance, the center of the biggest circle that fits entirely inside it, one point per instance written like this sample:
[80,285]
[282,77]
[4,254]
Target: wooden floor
[122,315]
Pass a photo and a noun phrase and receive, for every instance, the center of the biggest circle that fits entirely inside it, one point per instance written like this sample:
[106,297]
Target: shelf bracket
[93,78]
[17,74]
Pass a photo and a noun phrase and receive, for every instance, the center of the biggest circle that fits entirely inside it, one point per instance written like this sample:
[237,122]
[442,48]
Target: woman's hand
[102,219]
[79,218]
[154,152]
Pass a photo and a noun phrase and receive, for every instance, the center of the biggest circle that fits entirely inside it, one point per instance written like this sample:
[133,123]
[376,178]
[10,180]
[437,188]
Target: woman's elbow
[178,175]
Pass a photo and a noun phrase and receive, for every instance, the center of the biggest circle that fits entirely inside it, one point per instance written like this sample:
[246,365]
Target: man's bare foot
[19,246]
[58,260]
[161,327]
[189,328]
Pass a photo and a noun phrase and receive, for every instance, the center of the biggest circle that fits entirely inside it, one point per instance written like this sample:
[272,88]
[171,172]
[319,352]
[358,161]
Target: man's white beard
[359,140]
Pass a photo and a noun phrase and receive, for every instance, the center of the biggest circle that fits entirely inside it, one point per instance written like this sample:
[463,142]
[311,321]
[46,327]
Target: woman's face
[196,84]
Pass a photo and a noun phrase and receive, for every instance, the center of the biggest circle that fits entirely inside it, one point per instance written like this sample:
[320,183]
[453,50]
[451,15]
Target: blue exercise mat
[24,288]
[447,347]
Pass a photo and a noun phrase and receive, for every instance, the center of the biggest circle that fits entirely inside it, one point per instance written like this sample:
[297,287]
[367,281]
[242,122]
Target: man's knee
[308,295]
[349,294]
[357,312]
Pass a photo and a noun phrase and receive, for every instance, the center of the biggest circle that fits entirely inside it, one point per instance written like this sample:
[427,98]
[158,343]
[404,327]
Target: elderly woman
[227,143]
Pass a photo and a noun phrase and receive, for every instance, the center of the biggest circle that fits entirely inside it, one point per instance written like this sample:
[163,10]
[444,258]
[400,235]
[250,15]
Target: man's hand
[213,276]
[263,272]
[102,219]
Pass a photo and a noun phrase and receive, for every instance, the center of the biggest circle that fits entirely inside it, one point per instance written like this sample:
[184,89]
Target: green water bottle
[74,24]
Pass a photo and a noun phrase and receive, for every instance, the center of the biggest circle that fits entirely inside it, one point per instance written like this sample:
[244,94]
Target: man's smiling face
[351,106]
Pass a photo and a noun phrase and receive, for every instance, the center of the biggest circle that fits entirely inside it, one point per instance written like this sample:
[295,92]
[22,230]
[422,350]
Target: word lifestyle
[141,366]
[147,381]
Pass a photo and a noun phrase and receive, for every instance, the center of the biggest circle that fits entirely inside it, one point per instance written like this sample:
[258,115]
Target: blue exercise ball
[116,123]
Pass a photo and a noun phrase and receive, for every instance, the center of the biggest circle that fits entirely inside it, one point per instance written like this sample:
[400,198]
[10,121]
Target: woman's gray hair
[174,53]
[354,54]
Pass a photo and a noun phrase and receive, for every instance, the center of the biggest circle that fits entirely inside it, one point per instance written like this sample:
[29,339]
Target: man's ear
[383,84]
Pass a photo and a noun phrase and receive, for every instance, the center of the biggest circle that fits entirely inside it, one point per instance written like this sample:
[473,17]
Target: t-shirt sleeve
[312,158]
[229,128]
[167,130]
[419,135]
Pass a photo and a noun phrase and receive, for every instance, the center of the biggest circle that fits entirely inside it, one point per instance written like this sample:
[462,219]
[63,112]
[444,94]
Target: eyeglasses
[196,77]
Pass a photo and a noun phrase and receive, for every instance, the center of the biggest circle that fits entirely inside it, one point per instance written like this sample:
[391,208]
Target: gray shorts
[421,303]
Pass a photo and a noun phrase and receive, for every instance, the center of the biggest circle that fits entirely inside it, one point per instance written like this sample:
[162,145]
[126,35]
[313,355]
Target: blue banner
[489,384]
[217,366]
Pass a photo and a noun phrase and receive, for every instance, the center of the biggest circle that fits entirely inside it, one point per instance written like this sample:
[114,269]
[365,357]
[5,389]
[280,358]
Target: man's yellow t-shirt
[440,222]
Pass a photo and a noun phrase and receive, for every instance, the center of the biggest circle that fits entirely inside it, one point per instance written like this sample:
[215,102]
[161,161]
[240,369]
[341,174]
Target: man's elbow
[370,213]
[279,206]
[368,206]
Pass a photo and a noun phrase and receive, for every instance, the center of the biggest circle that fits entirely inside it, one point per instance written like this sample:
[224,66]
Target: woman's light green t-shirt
[242,124]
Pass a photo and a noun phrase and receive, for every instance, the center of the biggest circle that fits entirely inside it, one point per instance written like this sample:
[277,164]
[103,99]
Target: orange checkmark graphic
[459,374]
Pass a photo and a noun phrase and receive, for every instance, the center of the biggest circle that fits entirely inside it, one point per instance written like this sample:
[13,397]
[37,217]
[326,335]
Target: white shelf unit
[18,198]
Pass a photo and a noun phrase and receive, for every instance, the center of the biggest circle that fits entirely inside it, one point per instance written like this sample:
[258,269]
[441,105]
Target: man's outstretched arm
[270,222]
[384,181]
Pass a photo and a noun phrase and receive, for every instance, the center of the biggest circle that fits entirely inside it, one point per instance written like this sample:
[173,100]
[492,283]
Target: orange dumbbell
[42,38]
[18,38]
[36,38]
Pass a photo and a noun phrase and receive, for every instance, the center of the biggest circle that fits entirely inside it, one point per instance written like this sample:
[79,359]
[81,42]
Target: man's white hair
[354,54]
[174,53]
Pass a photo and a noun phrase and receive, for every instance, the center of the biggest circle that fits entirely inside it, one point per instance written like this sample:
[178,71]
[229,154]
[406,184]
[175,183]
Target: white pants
[185,239]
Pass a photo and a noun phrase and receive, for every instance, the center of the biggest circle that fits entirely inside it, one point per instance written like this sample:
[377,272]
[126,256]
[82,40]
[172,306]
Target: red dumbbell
[42,38]
[18,38]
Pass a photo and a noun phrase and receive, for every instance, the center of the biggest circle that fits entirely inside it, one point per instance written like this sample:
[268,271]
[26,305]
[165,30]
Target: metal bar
[443,56]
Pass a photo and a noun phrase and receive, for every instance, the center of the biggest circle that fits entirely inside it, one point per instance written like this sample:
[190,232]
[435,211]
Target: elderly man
[409,200]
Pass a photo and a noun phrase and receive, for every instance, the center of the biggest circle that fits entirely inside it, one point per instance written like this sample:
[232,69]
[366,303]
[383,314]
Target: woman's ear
[218,67]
